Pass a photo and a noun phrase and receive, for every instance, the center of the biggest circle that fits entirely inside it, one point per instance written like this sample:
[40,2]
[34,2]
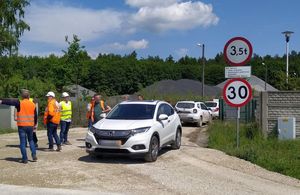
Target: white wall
[7,117]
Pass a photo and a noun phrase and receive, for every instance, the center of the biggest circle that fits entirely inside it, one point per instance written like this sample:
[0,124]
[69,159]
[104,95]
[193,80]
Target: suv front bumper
[133,145]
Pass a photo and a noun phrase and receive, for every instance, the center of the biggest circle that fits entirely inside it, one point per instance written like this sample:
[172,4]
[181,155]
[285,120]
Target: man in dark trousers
[26,121]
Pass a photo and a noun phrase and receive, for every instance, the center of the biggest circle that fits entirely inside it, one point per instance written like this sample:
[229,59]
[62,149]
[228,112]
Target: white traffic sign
[237,92]
[237,72]
[238,51]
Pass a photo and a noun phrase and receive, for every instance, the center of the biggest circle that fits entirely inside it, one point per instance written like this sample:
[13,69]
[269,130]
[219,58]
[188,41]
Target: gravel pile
[182,87]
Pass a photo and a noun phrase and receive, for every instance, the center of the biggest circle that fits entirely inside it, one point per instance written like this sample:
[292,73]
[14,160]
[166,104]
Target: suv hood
[111,124]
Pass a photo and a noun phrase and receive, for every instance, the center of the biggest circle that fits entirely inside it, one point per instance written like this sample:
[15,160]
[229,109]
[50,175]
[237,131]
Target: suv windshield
[132,112]
[211,104]
[185,105]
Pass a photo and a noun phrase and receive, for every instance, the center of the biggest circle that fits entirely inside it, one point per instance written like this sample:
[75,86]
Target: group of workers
[55,114]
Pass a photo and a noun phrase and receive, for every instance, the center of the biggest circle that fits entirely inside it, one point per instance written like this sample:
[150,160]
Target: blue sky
[160,27]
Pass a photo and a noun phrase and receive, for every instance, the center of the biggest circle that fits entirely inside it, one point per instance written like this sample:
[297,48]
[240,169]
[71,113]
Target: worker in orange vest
[99,108]
[89,112]
[51,120]
[26,121]
[35,139]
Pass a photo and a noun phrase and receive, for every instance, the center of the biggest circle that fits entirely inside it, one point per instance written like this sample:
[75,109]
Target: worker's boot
[58,148]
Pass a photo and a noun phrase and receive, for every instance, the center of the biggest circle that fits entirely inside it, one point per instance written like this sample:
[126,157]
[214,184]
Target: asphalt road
[191,170]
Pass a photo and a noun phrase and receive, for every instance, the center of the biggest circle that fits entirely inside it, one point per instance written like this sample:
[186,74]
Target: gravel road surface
[191,170]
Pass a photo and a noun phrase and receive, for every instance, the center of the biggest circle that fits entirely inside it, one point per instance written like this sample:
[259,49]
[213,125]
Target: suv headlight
[139,130]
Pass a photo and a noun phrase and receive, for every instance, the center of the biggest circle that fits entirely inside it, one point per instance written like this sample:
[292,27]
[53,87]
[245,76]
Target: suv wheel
[152,154]
[199,123]
[177,143]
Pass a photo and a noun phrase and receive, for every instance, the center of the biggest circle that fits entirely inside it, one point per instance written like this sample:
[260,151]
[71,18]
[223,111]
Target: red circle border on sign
[243,81]
[241,63]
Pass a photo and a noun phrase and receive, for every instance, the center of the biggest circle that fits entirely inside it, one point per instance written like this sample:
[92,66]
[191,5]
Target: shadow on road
[13,146]
[83,147]
[193,125]
[115,159]
[42,149]
[12,159]
[109,159]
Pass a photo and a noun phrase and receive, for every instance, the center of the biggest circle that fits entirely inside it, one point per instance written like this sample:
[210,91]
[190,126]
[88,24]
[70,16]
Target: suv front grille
[122,135]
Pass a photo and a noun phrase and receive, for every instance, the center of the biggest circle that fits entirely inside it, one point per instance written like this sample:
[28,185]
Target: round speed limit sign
[237,92]
[238,51]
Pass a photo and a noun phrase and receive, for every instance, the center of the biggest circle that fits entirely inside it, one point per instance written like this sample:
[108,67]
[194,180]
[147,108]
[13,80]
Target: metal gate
[247,112]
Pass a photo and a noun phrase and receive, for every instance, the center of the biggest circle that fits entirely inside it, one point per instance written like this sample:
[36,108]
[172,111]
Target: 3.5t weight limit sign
[238,51]
[237,92]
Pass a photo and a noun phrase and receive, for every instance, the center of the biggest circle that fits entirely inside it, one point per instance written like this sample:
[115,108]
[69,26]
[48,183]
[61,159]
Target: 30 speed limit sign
[237,92]
[238,51]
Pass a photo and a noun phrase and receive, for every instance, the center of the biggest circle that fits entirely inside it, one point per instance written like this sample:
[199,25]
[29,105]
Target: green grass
[4,131]
[273,154]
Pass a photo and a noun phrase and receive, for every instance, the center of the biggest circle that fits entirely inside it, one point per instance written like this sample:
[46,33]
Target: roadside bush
[252,131]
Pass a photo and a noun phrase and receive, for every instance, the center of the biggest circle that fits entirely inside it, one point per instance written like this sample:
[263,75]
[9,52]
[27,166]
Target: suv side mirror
[103,115]
[163,117]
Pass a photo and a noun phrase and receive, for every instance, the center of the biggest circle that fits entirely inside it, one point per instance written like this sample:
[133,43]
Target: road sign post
[237,92]
[238,128]
[237,72]
[238,51]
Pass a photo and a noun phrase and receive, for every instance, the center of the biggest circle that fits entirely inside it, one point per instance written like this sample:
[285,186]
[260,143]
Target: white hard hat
[65,94]
[50,93]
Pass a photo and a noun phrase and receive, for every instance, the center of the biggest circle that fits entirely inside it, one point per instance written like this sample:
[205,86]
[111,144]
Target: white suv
[136,128]
[193,112]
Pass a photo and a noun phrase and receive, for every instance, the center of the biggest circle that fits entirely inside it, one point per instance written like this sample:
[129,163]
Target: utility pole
[203,65]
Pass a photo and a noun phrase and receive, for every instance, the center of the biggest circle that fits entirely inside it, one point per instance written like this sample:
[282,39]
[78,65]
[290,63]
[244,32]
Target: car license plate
[110,142]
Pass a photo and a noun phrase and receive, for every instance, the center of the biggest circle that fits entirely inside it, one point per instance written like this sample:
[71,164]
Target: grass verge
[272,154]
[4,131]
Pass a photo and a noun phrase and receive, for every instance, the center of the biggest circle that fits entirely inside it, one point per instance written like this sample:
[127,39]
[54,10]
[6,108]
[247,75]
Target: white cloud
[118,47]
[133,44]
[141,44]
[51,23]
[182,52]
[150,3]
[175,16]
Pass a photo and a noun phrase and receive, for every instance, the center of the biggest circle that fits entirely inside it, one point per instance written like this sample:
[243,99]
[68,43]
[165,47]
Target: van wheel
[152,154]
[199,123]
[177,143]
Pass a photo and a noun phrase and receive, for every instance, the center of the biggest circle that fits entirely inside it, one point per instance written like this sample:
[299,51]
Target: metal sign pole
[238,128]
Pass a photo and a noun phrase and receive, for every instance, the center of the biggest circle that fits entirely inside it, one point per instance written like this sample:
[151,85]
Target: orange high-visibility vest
[25,117]
[89,112]
[93,108]
[52,110]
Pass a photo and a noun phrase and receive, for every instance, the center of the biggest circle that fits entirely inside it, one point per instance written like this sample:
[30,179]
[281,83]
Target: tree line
[113,74]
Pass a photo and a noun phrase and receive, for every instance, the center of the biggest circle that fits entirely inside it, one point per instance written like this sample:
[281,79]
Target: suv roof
[149,102]
[211,102]
[186,102]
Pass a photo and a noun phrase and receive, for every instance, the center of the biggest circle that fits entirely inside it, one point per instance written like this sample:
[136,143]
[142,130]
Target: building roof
[83,92]
[255,82]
